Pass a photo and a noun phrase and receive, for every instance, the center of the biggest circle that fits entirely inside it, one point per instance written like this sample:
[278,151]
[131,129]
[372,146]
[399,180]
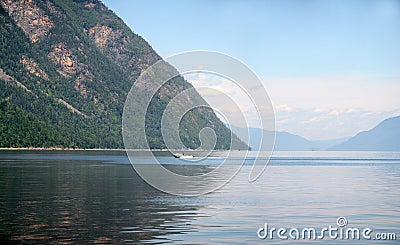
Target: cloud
[323,107]
[282,121]
[331,123]
[283,108]
[334,113]
[229,99]
[332,106]
[376,92]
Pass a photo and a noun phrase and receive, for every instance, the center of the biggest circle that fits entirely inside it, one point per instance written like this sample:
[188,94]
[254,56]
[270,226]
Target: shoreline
[56,149]
[93,149]
[73,149]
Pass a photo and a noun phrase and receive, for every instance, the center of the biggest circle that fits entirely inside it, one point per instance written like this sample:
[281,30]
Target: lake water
[96,197]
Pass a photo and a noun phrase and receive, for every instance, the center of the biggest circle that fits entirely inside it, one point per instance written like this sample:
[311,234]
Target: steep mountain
[285,141]
[384,137]
[66,67]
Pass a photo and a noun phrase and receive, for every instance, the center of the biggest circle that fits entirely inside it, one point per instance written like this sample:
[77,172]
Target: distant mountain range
[384,137]
[284,141]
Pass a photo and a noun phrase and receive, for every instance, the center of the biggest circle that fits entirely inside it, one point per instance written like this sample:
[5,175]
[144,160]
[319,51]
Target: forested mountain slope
[66,68]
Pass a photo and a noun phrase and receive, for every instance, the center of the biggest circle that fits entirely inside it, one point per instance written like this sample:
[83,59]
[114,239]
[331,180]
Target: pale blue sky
[321,56]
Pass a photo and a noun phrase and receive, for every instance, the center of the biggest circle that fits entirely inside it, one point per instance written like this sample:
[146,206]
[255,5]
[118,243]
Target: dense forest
[66,68]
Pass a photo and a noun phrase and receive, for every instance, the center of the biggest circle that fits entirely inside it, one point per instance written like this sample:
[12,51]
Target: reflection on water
[98,198]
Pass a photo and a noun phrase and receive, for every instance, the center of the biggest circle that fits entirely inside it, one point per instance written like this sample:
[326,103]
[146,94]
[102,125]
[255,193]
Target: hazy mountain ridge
[65,70]
[384,137]
[284,141]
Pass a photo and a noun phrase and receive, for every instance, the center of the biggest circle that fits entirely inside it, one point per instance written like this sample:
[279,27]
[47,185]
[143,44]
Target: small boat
[182,155]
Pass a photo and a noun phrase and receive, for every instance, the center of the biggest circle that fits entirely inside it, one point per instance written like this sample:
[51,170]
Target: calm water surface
[96,197]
